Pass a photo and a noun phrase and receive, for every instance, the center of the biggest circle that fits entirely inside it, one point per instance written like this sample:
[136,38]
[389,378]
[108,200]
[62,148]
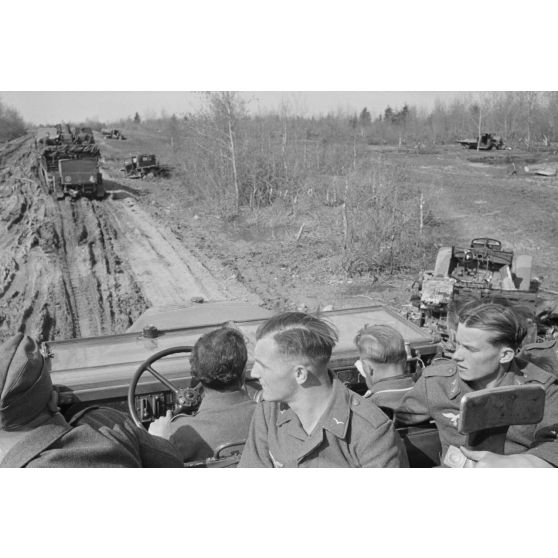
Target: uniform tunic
[352,432]
[438,392]
[223,417]
[93,438]
[388,392]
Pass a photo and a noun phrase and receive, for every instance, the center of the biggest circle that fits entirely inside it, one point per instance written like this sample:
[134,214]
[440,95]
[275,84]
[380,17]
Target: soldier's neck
[387,371]
[310,404]
[493,380]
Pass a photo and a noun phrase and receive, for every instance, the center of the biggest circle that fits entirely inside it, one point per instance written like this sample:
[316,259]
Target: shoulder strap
[37,441]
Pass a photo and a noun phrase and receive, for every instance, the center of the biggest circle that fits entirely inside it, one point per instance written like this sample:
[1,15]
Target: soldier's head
[26,391]
[219,358]
[382,352]
[488,336]
[292,352]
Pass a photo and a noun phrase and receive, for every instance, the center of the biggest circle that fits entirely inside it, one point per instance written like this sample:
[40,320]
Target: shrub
[384,224]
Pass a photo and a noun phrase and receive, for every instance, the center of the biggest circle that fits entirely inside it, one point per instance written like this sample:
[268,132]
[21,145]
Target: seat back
[486,414]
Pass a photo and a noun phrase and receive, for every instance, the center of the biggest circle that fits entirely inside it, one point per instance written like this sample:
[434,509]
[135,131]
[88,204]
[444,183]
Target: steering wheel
[184,398]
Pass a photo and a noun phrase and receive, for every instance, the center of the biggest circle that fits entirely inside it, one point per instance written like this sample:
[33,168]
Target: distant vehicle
[46,135]
[485,142]
[142,165]
[112,134]
[83,135]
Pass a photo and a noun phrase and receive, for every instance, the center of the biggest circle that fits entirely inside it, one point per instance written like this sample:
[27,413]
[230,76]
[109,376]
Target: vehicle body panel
[101,367]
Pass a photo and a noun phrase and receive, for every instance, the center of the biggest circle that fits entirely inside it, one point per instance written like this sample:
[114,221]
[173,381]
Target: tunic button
[355,401]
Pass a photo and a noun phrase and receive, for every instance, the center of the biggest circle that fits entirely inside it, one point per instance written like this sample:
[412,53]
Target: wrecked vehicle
[116,370]
[142,165]
[485,142]
[482,270]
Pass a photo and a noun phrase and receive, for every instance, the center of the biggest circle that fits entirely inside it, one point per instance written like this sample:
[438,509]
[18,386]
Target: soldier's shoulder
[366,410]
[441,367]
[534,373]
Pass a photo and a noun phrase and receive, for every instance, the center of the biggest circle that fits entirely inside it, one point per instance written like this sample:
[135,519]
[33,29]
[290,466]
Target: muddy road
[85,268]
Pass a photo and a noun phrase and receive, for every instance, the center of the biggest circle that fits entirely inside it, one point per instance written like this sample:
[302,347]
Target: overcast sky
[44,107]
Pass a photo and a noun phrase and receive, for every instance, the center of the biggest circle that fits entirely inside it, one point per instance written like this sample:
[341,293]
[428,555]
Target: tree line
[11,123]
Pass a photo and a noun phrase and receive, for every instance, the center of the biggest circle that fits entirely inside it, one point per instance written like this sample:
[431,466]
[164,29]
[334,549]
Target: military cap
[25,384]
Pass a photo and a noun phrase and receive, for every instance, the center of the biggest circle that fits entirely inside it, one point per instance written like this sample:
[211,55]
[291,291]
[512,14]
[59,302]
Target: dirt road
[86,267]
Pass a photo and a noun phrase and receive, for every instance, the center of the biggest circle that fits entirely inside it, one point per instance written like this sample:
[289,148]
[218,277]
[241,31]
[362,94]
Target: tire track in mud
[167,272]
[79,285]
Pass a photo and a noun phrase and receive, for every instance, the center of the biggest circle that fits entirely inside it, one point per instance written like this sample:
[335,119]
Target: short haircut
[381,343]
[506,326]
[219,358]
[301,334]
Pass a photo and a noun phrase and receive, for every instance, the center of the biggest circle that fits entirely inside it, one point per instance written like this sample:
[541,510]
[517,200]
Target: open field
[86,268]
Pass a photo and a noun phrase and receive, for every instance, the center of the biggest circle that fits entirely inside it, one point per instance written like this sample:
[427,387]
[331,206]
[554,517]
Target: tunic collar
[335,418]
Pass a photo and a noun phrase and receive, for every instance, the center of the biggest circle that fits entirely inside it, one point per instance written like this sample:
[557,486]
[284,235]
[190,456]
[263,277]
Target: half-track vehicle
[71,170]
[485,142]
[143,165]
[117,370]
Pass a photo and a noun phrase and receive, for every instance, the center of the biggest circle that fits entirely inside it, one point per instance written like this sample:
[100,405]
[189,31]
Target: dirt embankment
[86,267]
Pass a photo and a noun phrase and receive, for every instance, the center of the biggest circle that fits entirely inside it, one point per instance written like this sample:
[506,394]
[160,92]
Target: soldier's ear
[507,354]
[301,374]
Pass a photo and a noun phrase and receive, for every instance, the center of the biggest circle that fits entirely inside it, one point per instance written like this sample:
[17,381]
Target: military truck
[142,165]
[71,170]
[125,371]
[485,142]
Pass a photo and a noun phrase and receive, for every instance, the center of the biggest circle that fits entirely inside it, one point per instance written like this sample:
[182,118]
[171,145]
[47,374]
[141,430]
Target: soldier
[487,339]
[33,433]
[308,418]
[383,363]
[218,361]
